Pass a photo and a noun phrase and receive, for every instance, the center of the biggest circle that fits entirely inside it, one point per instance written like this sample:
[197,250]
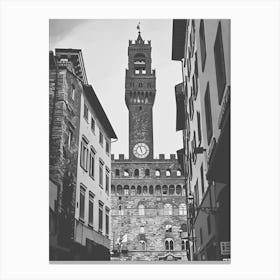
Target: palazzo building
[148,196]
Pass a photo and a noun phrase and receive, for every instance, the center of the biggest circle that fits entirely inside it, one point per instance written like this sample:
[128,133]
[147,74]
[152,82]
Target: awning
[178,38]
[180,156]
[180,107]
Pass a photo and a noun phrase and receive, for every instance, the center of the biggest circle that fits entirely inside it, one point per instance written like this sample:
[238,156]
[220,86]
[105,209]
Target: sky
[104,44]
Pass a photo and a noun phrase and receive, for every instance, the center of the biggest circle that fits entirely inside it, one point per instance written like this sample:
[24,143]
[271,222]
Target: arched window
[126,173]
[184,244]
[184,227]
[136,172]
[171,189]
[182,209]
[169,244]
[168,228]
[147,172]
[157,172]
[178,190]
[141,209]
[119,190]
[151,190]
[113,189]
[139,190]
[158,190]
[143,245]
[142,229]
[121,210]
[184,190]
[126,190]
[179,173]
[167,209]
[164,190]
[167,173]
[145,190]
[132,190]
[117,172]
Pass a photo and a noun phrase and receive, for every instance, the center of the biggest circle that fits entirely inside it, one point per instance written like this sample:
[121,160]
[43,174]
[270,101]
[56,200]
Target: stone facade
[154,192]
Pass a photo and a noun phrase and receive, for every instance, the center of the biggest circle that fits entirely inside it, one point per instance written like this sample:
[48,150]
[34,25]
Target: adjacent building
[148,195]
[80,163]
[203,116]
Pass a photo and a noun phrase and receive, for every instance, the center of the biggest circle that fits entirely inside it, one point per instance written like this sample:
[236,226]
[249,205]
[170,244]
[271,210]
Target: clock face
[141,150]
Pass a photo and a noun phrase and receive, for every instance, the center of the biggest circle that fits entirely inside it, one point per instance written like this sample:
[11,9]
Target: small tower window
[158,190]
[143,245]
[168,228]
[147,172]
[117,172]
[151,190]
[157,173]
[178,190]
[171,190]
[169,244]
[126,190]
[136,172]
[164,190]
[139,190]
[168,173]
[179,173]
[145,190]
[132,190]
[126,173]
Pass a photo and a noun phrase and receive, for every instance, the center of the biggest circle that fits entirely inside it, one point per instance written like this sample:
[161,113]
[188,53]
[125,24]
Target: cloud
[60,28]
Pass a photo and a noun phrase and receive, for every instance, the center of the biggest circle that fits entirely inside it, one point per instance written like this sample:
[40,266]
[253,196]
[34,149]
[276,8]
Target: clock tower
[140,90]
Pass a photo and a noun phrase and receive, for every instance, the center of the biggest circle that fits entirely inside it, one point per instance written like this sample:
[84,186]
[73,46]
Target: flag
[138,26]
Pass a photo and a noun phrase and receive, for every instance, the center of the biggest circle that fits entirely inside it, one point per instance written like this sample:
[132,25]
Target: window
[126,173]
[107,222]
[69,138]
[201,236]
[85,111]
[90,209]
[145,190]
[91,162]
[194,156]
[92,125]
[107,180]
[73,92]
[151,190]
[142,229]
[107,147]
[209,224]
[179,173]
[196,194]
[167,173]
[139,190]
[190,165]
[182,209]
[113,189]
[82,202]
[167,209]
[126,190]
[220,63]
[208,114]
[140,85]
[202,44]
[100,216]
[101,165]
[198,128]
[169,244]
[178,190]
[164,190]
[84,154]
[195,86]
[141,210]
[121,210]
[132,190]
[158,190]
[117,172]
[119,190]
[191,107]
[137,72]
[101,138]
[157,173]
[147,172]
[168,228]
[202,178]
[149,85]
[136,172]
[143,71]
[171,190]
[143,245]
[184,244]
